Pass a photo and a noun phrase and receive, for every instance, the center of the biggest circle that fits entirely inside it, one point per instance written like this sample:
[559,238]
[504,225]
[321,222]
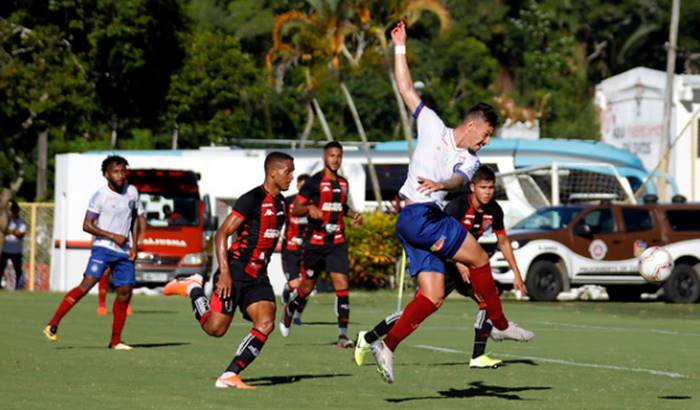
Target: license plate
[155,277]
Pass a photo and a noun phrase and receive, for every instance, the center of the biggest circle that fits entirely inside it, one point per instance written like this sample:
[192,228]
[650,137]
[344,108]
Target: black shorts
[291,264]
[454,281]
[243,294]
[328,258]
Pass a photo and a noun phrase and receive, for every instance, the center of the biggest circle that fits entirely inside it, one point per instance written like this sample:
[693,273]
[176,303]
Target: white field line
[619,329]
[566,362]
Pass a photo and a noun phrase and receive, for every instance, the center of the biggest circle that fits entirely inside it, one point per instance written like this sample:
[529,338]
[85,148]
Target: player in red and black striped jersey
[324,198]
[241,280]
[293,246]
[480,214]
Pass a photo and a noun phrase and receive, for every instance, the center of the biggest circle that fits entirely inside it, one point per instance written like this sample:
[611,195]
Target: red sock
[71,298]
[482,281]
[414,313]
[102,291]
[119,317]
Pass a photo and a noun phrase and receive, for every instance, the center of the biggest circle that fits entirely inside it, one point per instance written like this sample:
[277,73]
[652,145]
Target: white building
[631,111]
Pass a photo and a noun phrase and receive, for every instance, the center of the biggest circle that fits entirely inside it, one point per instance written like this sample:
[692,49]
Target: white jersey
[114,214]
[436,158]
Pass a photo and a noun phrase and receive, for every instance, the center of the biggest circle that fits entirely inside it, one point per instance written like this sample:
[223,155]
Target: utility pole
[668,97]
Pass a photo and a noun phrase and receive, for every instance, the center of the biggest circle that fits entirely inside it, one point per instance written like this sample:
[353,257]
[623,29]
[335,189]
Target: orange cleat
[233,382]
[102,311]
[179,286]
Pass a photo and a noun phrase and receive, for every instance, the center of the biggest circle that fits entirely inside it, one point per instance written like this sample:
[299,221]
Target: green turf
[176,364]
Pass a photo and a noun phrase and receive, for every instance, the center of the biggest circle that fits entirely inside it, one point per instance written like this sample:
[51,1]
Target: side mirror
[583,230]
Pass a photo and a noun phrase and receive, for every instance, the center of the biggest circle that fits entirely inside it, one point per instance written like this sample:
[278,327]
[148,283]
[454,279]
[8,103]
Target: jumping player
[109,218]
[324,199]
[242,280]
[292,247]
[445,159]
[479,214]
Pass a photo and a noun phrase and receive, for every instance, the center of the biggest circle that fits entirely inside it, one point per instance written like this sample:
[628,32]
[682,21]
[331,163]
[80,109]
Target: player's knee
[216,331]
[266,326]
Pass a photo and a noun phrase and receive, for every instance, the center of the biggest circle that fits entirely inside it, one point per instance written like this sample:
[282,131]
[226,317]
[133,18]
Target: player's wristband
[400,49]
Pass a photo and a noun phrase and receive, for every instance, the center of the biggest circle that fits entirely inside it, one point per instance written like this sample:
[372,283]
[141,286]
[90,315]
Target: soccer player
[478,213]
[444,160]
[292,246]
[109,218]
[242,280]
[324,199]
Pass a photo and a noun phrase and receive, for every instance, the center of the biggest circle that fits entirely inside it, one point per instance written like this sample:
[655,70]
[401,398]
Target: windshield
[549,219]
[170,210]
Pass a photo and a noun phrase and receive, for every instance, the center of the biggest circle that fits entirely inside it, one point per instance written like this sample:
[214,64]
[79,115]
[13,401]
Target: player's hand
[519,285]
[132,254]
[427,186]
[398,34]
[119,239]
[314,212]
[224,284]
[356,219]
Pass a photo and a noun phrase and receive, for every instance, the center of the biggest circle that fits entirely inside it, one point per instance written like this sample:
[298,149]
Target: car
[559,247]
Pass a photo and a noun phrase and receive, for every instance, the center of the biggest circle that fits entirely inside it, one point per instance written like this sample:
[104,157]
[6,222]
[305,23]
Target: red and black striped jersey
[331,197]
[477,223]
[263,216]
[295,231]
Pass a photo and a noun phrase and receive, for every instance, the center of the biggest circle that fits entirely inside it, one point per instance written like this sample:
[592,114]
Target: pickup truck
[559,247]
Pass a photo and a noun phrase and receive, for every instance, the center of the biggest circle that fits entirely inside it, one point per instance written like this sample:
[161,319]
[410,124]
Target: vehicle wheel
[544,281]
[624,293]
[683,286]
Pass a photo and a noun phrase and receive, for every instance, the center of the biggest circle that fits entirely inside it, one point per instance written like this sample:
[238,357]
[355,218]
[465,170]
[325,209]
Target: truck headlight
[194,259]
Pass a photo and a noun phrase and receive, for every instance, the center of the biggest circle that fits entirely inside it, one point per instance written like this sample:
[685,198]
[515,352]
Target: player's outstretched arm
[507,250]
[403,74]
[230,225]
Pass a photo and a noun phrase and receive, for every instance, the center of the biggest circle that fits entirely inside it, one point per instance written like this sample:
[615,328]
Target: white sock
[192,286]
[226,375]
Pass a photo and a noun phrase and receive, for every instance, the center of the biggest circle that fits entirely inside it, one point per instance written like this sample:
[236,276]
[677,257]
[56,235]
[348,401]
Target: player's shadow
[675,397]
[476,389]
[134,345]
[294,378]
[520,361]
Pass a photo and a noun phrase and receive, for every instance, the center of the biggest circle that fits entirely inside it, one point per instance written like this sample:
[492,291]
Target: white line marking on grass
[619,329]
[566,362]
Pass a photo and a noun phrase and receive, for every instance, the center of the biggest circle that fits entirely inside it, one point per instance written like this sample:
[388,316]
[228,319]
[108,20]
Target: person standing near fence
[12,250]
[109,218]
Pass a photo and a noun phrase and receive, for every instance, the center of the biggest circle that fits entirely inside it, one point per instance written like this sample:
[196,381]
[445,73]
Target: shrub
[373,250]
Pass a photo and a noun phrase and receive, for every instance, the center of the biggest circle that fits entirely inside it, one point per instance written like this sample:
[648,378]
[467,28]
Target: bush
[373,250]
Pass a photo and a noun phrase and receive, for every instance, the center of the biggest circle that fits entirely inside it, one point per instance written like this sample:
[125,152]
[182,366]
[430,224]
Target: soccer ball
[655,264]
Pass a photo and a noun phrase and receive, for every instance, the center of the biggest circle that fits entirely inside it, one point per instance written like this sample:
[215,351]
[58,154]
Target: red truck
[177,241]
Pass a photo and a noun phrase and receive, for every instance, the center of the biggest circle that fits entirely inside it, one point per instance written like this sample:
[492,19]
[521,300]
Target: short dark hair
[303,177]
[332,144]
[275,158]
[113,159]
[14,207]
[484,112]
[484,173]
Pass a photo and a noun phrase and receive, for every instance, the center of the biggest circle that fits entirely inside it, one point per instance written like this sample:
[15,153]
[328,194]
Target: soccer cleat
[485,362]
[102,311]
[512,332]
[361,348]
[50,333]
[284,330]
[233,382]
[385,360]
[120,346]
[178,286]
[344,343]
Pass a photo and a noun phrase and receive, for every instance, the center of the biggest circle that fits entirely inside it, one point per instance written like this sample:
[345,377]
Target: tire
[683,286]
[624,293]
[544,281]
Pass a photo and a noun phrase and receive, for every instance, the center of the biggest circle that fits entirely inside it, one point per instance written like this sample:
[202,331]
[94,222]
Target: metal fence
[36,251]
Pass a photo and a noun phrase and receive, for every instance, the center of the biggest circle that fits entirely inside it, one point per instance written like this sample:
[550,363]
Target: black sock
[247,351]
[342,311]
[382,328]
[297,301]
[482,330]
[200,304]
[285,294]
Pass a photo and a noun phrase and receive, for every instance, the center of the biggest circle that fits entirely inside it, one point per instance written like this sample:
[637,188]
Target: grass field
[584,355]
